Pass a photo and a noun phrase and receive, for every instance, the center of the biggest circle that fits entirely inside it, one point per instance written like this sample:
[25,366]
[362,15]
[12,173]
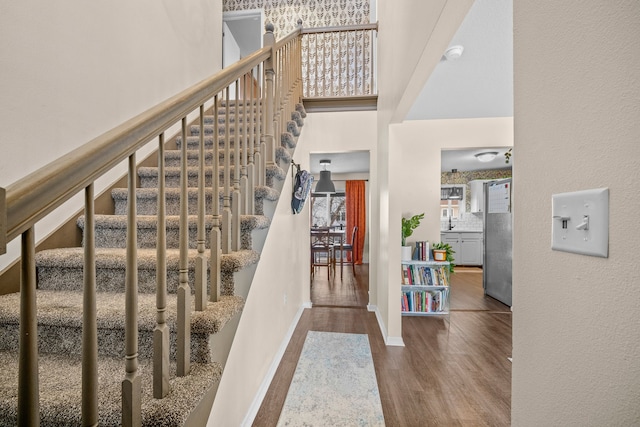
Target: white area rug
[334,383]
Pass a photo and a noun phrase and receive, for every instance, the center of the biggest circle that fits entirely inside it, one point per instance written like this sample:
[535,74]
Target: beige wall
[414,182]
[416,177]
[283,272]
[407,53]
[576,321]
[276,299]
[73,70]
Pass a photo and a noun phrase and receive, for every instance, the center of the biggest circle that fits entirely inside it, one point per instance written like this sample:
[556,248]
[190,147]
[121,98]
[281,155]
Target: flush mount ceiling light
[325,185]
[454,52]
[486,156]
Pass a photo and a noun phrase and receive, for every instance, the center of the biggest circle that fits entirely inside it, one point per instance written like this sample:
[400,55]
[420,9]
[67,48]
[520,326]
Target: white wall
[73,70]
[576,321]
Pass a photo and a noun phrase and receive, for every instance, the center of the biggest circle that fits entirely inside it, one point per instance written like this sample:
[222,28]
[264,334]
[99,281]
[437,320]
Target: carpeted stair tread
[193,142]
[149,175]
[222,117]
[61,391]
[64,308]
[110,230]
[288,141]
[115,258]
[267,193]
[62,269]
[243,129]
[147,199]
[249,222]
[173,157]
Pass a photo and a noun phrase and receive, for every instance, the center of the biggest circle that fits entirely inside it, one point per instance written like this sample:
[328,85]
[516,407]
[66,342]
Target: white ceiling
[246,29]
[350,162]
[465,160]
[480,82]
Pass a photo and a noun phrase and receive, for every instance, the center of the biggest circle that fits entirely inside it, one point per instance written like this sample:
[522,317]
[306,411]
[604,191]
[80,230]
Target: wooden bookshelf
[425,289]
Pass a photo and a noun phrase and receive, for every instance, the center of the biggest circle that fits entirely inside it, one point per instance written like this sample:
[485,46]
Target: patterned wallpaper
[464,178]
[284,14]
[333,64]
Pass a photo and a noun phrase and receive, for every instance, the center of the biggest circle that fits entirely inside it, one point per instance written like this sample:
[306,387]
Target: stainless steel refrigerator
[498,243]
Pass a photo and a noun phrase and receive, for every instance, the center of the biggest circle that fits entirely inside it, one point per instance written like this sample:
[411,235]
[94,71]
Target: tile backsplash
[467,222]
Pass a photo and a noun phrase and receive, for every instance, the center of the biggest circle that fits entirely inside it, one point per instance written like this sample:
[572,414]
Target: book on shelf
[431,301]
[421,251]
[424,275]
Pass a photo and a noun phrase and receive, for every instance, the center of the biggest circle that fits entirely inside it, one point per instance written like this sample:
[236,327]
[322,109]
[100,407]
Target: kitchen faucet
[451,227]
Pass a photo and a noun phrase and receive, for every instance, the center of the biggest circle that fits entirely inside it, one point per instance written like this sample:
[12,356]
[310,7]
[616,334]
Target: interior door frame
[250,16]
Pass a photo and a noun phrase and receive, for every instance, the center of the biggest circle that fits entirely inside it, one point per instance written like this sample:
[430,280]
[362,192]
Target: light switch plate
[580,222]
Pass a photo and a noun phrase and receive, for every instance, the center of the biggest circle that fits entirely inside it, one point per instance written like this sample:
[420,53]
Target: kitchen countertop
[460,231]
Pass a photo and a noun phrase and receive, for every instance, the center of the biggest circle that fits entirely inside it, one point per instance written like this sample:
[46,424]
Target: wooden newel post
[269,40]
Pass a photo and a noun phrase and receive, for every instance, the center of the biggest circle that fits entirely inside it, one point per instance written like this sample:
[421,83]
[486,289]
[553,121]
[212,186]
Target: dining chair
[321,250]
[347,248]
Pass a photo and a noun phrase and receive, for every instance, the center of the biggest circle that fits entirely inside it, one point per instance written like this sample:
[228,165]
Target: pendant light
[325,185]
[455,193]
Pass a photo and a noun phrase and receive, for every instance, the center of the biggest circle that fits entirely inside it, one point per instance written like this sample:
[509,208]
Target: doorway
[479,230]
[242,34]
[346,285]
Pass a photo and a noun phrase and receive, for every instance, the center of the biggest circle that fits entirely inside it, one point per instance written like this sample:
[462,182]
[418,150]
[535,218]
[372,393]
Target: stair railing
[277,67]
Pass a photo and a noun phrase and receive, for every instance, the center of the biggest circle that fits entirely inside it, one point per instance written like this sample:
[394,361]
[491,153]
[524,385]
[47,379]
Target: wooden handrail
[39,193]
[360,27]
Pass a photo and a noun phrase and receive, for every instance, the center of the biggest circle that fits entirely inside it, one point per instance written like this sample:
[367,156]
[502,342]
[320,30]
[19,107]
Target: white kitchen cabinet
[468,247]
[477,195]
[453,239]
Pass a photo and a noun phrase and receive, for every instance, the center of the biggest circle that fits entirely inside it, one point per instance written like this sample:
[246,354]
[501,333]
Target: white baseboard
[392,341]
[266,382]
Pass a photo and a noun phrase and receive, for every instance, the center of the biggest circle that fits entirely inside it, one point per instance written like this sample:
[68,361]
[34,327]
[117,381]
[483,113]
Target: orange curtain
[356,216]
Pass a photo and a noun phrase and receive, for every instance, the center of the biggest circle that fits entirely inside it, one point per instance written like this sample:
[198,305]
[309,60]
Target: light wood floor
[451,372]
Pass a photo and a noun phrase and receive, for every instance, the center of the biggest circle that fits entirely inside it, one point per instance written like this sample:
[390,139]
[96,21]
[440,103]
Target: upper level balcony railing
[338,67]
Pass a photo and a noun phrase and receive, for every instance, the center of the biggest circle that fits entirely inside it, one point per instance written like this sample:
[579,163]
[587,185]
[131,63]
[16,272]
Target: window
[452,208]
[328,210]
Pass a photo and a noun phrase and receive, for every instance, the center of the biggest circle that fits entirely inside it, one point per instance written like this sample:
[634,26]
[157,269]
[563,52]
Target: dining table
[336,236]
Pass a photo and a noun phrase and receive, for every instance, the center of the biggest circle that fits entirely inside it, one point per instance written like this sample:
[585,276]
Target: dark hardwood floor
[453,371]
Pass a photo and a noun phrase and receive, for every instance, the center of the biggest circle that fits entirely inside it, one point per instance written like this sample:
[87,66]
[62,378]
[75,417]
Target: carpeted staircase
[60,283]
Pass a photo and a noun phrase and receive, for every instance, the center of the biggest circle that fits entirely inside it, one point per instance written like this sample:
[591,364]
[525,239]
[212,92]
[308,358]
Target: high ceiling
[479,83]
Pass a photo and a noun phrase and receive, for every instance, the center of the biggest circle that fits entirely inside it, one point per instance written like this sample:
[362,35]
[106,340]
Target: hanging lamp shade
[455,193]
[325,185]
